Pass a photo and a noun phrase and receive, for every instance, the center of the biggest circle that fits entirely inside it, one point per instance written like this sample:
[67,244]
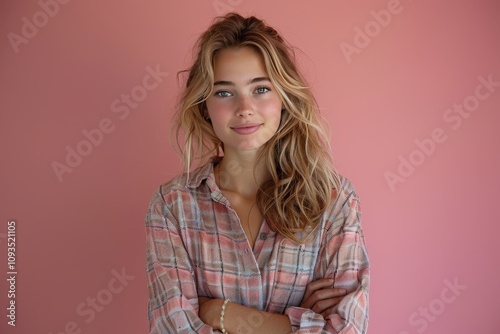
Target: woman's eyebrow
[230,83]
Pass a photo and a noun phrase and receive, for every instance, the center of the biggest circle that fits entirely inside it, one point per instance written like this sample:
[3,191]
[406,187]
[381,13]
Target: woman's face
[244,107]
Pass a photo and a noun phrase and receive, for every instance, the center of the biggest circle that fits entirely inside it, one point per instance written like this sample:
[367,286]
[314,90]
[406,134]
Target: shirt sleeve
[173,298]
[344,258]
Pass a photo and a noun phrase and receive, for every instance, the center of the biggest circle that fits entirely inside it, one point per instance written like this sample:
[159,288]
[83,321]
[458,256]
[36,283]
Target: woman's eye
[222,93]
[262,90]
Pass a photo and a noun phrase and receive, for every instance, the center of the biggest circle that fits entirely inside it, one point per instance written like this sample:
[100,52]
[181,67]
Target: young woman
[263,236]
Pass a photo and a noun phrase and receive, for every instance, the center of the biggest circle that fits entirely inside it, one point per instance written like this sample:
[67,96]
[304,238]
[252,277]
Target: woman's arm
[319,296]
[242,319]
[173,298]
[342,258]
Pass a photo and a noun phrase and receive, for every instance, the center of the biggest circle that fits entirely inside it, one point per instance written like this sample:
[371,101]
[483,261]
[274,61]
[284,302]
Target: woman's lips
[246,129]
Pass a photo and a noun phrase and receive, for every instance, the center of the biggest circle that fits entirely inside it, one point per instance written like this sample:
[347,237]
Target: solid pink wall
[430,221]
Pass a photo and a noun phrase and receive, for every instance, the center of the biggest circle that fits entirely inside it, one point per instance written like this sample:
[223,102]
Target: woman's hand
[321,297]
[209,311]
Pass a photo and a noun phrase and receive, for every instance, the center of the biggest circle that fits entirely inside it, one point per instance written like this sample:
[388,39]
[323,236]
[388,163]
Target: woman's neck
[241,174]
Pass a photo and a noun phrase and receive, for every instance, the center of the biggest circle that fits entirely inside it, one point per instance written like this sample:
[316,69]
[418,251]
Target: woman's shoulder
[177,183]
[346,189]
[344,199]
[186,182]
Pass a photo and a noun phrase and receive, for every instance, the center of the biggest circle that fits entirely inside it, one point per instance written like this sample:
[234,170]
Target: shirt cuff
[304,320]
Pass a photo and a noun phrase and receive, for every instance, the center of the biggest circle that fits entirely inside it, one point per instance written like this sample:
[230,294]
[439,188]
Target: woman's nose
[245,107]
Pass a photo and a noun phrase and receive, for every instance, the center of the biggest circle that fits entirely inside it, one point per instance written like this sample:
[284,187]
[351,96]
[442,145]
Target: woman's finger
[328,311]
[325,304]
[323,294]
[316,285]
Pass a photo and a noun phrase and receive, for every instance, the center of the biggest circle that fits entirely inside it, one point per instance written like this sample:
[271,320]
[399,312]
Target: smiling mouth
[246,129]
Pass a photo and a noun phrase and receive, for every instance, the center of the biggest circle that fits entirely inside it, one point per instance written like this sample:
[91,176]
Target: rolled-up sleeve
[344,258]
[173,298]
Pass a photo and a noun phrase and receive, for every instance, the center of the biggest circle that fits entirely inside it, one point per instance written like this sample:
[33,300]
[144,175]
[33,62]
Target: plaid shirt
[196,247]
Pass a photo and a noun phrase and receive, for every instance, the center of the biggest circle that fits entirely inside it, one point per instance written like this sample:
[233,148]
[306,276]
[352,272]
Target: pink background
[440,225]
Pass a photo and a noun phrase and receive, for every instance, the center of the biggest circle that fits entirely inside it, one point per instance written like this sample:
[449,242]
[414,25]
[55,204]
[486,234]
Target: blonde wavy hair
[303,180]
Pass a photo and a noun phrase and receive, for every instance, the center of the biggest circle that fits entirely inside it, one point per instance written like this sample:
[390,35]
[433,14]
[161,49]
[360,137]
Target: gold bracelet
[223,310]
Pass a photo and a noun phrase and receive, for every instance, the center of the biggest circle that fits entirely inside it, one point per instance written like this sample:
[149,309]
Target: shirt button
[263,236]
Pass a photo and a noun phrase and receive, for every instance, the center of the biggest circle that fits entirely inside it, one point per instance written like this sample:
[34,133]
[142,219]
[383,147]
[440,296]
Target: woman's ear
[204,112]
[206,116]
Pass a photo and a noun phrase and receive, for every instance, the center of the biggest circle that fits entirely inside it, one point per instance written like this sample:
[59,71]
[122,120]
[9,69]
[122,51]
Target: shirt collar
[197,176]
